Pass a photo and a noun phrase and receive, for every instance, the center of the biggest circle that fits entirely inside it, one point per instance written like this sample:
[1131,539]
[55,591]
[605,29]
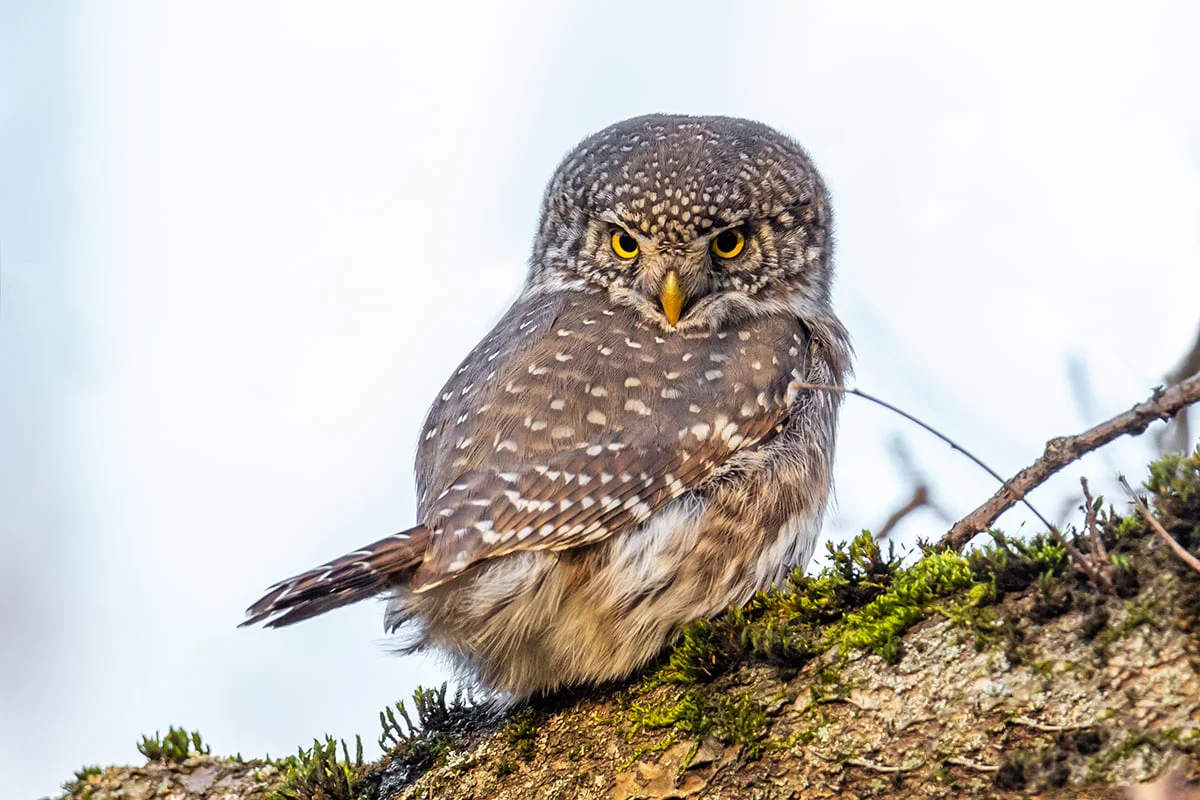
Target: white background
[242,244]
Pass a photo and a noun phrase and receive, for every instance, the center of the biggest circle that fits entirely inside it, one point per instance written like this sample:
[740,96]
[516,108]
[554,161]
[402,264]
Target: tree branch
[1060,452]
[1177,548]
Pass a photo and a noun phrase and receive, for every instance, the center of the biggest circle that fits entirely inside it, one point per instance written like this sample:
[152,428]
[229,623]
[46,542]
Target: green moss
[787,626]
[413,747]
[79,787]
[521,734]
[316,773]
[909,598]
[176,746]
[741,719]
[733,718]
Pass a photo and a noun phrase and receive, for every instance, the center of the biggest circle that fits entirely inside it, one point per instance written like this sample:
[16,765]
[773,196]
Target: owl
[632,447]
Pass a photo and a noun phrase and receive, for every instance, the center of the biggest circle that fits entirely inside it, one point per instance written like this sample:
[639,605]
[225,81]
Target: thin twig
[920,498]
[884,768]
[1176,435]
[1095,540]
[1082,563]
[953,444]
[1187,557]
[1043,727]
[1060,452]
[959,761]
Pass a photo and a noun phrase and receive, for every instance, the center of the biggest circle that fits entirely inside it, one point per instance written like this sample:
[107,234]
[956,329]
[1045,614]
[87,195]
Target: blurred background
[243,243]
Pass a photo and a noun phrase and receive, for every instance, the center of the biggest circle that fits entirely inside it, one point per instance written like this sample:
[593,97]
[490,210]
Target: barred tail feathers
[355,576]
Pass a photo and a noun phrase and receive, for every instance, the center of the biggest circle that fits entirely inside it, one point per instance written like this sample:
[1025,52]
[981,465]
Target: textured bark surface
[1069,694]
[946,721]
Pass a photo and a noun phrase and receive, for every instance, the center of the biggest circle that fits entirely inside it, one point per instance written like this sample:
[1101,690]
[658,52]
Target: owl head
[693,221]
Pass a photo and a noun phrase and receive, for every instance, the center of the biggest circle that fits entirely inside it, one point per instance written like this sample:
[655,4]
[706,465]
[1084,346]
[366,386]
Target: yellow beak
[672,297]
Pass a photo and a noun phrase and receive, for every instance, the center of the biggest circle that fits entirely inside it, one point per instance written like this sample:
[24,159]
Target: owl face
[693,221]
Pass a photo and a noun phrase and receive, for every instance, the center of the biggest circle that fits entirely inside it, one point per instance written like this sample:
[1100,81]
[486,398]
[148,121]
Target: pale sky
[242,245]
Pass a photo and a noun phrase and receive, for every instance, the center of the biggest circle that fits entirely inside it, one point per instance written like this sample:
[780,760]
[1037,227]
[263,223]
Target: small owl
[630,448]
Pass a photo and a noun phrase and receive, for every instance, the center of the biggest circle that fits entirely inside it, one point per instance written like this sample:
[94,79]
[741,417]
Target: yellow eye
[624,245]
[728,244]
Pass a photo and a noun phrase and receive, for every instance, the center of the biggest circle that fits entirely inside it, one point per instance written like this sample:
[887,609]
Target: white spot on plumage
[597,417]
[714,374]
[631,382]
[636,405]
[507,444]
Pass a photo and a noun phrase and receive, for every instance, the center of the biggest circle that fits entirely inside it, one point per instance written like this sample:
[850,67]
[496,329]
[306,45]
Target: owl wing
[590,427]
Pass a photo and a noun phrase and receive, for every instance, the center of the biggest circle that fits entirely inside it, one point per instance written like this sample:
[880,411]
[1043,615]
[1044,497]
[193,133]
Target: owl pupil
[727,241]
[627,243]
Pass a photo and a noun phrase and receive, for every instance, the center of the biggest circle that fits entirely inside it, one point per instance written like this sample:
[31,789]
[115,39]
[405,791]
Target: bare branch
[1177,434]
[920,498]
[1187,557]
[1095,540]
[1060,452]
[818,387]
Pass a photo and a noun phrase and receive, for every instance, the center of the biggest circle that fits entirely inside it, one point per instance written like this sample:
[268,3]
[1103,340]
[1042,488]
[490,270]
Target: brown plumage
[628,449]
